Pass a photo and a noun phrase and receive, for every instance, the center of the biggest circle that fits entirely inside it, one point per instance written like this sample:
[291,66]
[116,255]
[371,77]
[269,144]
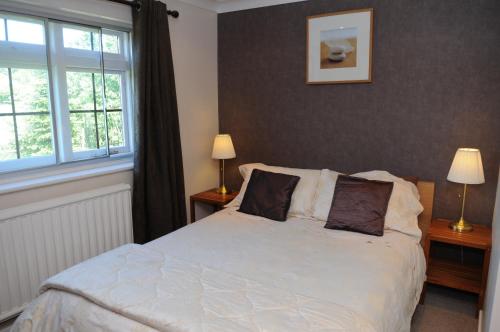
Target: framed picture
[339,47]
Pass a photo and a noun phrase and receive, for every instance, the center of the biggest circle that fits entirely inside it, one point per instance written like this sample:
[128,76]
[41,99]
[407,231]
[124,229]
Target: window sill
[60,174]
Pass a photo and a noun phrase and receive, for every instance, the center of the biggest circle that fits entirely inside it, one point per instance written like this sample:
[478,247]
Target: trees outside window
[66,113]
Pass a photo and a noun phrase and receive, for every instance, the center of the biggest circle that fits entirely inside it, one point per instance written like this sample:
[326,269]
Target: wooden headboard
[426,190]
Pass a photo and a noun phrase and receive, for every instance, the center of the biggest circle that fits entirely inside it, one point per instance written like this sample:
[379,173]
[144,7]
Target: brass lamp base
[461,226]
[223,190]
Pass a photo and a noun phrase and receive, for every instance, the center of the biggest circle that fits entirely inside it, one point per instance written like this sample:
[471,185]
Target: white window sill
[63,173]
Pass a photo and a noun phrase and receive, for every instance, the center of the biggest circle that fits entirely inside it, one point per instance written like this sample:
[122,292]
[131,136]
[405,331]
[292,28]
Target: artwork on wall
[339,47]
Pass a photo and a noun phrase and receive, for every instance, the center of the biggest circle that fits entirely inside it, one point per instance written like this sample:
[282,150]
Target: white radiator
[41,239]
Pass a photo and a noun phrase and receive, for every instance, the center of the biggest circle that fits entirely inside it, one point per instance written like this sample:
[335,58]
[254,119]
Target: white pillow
[402,211]
[303,195]
[404,204]
[324,194]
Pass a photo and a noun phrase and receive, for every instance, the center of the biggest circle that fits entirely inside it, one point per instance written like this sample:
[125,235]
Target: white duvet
[235,272]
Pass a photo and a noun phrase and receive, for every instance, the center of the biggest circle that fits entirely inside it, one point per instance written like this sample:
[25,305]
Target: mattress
[236,272]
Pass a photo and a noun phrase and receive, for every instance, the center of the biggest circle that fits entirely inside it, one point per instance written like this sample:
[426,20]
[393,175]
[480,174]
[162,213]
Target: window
[77,108]
[25,113]
[89,40]
[2,29]
[86,110]
[25,32]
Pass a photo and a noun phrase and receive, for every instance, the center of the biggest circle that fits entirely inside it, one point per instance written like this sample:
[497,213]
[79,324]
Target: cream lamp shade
[467,167]
[223,147]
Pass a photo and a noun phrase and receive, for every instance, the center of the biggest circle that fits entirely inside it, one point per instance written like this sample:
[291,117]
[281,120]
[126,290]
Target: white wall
[62,189]
[194,45]
[491,322]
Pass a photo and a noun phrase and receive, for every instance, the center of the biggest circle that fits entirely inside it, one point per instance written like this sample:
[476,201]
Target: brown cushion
[359,205]
[269,194]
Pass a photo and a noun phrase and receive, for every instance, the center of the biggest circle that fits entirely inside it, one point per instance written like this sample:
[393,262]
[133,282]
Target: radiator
[41,239]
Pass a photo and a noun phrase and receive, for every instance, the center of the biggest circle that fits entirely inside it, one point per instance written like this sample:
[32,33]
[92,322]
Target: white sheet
[346,278]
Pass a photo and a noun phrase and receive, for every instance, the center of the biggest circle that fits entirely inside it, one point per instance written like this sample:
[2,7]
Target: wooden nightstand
[211,197]
[468,277]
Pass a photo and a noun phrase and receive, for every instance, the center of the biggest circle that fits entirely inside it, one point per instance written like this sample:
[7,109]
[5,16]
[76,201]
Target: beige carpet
[446,310]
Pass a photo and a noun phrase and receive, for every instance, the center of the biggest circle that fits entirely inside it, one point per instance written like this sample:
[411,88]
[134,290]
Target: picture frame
[339,47]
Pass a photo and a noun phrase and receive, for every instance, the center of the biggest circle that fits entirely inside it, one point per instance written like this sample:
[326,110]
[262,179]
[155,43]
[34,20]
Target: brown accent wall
[436,87]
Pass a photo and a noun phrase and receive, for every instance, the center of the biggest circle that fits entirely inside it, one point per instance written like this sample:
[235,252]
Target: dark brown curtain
[158,201]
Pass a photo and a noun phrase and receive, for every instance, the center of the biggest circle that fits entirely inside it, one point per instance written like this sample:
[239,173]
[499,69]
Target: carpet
[446,310]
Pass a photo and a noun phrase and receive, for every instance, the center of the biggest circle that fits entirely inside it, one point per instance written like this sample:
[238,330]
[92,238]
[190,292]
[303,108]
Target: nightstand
[466,276]
[210,197]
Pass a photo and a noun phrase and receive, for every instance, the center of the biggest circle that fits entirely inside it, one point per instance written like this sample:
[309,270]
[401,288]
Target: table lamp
[467,168]
[223,149]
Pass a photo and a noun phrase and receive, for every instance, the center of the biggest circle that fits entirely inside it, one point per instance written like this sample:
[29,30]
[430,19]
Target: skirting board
[480,322]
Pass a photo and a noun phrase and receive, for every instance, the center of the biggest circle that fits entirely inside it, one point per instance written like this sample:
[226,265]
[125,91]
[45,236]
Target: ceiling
[223,6]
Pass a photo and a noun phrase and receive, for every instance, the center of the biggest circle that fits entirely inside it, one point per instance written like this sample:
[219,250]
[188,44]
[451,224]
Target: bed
[236,272]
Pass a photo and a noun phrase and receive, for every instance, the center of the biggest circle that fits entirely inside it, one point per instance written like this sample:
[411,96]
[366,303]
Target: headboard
[426,190]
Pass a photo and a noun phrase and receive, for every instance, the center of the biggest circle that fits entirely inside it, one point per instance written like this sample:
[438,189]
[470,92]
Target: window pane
[81,39]
[5,91]
[81,87]
[96,41]
[7,138]
[2,29]
[113,91]
[35,135]
[102,129]
[25,32]
[31,90]
[115,129]
[98,90]
[88,130]
[83,131]
[74,38]
[111,44]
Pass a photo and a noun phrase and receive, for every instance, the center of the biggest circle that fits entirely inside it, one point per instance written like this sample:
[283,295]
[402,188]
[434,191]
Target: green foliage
[32,119]
[4,88]
[31,94]
[86,40]
[83,87]
[30,88]
[36,137]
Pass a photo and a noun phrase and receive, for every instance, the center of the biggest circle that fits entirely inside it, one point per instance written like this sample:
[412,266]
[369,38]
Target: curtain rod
[136,4]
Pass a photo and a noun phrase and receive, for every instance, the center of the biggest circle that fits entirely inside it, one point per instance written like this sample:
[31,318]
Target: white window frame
[58,59]
[26,56]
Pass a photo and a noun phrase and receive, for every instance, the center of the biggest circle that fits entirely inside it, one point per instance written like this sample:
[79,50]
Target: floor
[446,310]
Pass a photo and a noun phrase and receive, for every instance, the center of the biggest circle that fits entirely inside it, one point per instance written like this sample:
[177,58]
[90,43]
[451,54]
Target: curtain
[159,205]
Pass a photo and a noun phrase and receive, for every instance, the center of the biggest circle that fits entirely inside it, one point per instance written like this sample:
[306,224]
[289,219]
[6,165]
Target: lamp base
[223,190]
[461,226]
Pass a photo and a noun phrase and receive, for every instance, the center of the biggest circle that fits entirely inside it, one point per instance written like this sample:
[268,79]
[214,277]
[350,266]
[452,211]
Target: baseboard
[480,322]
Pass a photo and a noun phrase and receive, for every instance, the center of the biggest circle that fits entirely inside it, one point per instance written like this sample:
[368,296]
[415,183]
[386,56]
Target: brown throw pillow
[269,194]
[359,205]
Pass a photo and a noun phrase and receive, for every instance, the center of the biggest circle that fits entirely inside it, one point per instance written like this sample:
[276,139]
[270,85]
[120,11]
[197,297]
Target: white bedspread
[234,272]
